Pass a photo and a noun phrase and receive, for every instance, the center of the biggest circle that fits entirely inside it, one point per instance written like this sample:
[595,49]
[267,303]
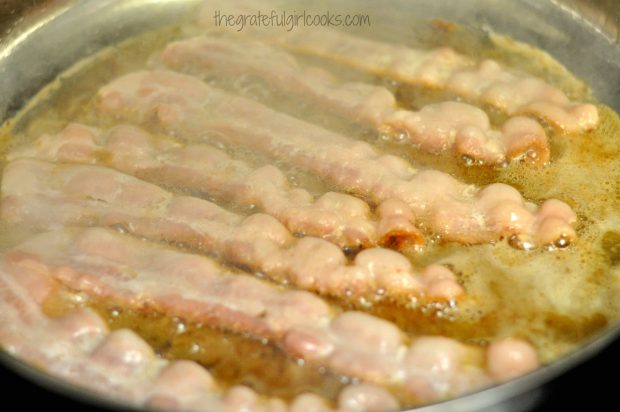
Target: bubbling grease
[553,298]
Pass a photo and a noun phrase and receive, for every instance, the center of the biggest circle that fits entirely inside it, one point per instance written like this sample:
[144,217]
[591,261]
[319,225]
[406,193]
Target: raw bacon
[486,81]
[337,217]
[51,195]
[120,365]
[453,210]
[133,272]
[458,128]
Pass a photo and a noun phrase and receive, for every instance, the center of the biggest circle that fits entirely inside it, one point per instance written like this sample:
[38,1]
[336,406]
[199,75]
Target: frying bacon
[133,272]
[459,128]
[339,218]
[119,365]
[447,207]
[487,81]
[50,195]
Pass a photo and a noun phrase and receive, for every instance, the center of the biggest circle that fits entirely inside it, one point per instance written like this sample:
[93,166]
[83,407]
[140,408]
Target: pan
[582,35]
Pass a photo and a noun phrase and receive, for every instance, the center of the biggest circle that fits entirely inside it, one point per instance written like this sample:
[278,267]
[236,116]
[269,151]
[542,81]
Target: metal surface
[63,32]
[582,35]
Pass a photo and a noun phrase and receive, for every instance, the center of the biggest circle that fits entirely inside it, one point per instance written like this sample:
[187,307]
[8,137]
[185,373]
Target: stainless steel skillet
[43,38]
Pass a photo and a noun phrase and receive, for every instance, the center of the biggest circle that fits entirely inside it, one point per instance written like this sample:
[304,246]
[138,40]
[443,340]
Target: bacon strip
[48,195]
[451,209]
[108,265]
[339,218]
[459,128]
[487,81]
[119,365]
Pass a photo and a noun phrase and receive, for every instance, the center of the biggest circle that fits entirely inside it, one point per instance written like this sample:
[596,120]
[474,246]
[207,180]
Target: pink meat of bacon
[120,366]
[453,210]
[48,195]
[458,128]
[337,217]
[133,272]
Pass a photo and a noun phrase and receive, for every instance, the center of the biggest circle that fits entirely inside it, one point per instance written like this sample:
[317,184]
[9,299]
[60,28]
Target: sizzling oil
[232,359]
[553,298]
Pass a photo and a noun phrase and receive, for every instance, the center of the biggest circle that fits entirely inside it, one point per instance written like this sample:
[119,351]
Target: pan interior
[71,32]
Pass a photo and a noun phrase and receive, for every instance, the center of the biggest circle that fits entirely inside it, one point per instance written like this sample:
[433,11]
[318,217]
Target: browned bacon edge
[454,211]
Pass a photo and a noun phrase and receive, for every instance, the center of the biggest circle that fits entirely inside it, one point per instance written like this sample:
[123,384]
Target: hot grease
[553,298]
